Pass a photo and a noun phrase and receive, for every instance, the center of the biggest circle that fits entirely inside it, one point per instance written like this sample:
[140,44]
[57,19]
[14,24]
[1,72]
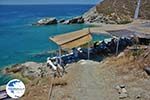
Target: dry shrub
[59,82]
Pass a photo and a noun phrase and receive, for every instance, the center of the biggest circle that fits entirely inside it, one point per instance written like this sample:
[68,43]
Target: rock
[121,55]
[123,90]
[80,21]
[47,21]
[90,15]
[117,87]
[62,20]
[147,70]
[138,96]
[123,95]
[32,69]
[75,20]
[29,69]
[111,22]
[66,22]
[13,69]
[122,86]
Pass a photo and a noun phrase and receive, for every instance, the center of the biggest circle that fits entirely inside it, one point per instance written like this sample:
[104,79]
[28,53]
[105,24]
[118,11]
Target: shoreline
[99,30]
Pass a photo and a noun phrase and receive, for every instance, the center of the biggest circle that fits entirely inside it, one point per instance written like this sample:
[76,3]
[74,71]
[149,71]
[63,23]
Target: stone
[123,90]
[29,69]
[75,20]
[66,22]
[111,22]
[61,20]
[138,96]
[122,54]
[122,86]
[117,87]
[80,21]
[147,70]
[123,96]
[47,21]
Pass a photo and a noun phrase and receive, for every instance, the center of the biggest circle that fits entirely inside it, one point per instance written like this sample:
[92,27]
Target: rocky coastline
[52,21]
[106,12]
[28,70]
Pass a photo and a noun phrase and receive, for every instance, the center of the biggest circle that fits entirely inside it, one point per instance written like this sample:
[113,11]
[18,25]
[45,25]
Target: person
[96,44]
[50,63]
[75,52]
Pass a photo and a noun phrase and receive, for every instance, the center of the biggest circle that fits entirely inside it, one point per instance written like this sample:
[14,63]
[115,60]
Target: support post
[117,48]
[60,55]
[89,30]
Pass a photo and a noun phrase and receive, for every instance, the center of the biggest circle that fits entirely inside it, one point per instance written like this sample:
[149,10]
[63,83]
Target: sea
[20,41]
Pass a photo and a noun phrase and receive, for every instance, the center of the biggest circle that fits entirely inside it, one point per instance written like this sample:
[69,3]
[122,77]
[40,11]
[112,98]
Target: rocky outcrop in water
[51,21]
[61,20]
[75,20]
[47,21]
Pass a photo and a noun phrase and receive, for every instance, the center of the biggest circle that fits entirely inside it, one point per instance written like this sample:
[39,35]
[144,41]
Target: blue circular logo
[15,88]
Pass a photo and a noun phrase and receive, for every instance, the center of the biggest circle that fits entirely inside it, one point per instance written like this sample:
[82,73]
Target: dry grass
[132,63]
[124,8]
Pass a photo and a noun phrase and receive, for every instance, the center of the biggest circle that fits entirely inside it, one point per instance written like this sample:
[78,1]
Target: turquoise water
[97,37]
[21,42]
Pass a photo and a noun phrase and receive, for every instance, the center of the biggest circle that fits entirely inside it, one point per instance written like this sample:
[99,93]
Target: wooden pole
[60,55]
[117,48]
[89,31]
[137,10]
[89,45]
[51,89]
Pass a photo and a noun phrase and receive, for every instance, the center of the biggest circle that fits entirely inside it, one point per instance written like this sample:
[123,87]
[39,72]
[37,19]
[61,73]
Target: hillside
[93,80]
[121,77]
[117,11]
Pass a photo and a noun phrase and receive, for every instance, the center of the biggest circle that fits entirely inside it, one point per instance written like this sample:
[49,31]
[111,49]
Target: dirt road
[86,84]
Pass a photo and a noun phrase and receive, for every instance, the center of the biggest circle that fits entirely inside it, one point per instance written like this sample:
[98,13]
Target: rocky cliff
[117,11]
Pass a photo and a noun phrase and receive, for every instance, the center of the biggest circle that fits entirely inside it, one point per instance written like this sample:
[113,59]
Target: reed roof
[72,39]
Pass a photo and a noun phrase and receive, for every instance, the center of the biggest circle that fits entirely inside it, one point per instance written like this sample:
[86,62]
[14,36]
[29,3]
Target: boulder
[61,20]
[122,86]
[75,20]
[80,21]
[123,95]
[14,69]
[29,69]
[147,70]
[121,91]
[47,21]
[66,22]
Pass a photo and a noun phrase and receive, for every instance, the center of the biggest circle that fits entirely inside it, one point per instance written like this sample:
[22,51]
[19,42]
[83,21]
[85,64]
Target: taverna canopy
[122,33]
[72,39]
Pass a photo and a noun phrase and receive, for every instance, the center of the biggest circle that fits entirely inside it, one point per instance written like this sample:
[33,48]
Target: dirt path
[89,80]
[87,83]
